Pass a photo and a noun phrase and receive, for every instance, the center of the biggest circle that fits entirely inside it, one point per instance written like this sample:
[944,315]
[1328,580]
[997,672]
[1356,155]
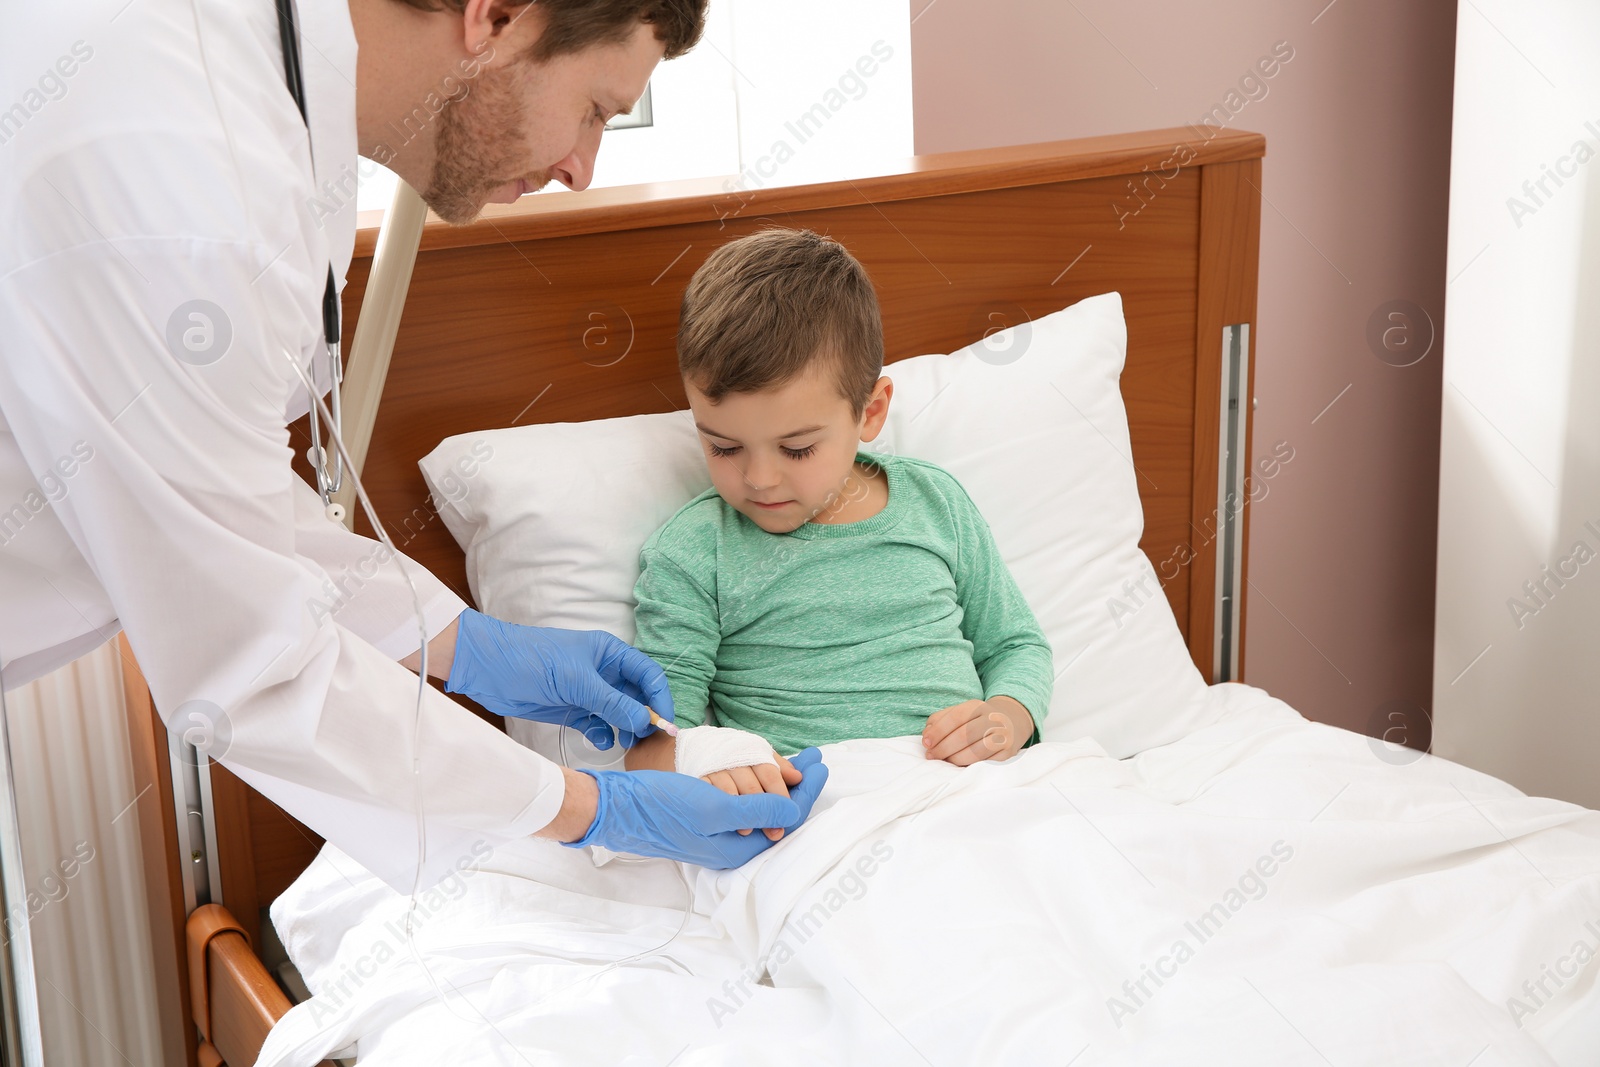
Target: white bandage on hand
[703,750]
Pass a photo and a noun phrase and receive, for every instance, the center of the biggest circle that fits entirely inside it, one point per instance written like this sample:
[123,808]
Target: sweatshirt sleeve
[678,626]
[1009,648]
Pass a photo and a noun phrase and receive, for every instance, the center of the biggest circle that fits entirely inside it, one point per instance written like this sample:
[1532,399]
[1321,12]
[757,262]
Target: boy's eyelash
[792,453]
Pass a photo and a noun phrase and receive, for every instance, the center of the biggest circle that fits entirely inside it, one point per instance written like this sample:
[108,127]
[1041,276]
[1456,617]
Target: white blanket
[1265,891]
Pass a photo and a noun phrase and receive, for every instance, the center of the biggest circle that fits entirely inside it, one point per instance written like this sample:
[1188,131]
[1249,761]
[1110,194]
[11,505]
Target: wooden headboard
[563,308]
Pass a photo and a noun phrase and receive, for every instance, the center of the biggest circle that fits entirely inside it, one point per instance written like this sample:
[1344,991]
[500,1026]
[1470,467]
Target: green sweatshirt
[832,632]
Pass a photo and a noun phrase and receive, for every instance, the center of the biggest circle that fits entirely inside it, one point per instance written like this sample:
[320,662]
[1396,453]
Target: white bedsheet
[1265,891]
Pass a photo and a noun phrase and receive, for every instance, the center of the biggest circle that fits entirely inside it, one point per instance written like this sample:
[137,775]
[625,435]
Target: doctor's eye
[718,450]
[799,453]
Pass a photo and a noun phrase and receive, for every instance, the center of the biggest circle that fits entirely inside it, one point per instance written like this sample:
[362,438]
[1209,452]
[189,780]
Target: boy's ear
[876,411]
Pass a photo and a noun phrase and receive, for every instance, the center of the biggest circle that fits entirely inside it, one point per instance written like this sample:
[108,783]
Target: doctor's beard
[478,144]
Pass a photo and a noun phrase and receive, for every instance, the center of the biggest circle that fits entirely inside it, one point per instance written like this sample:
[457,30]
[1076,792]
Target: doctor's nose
[572,173]
[576,171]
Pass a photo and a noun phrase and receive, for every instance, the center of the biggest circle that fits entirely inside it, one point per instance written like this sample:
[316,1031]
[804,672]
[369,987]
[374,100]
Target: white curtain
[77,809]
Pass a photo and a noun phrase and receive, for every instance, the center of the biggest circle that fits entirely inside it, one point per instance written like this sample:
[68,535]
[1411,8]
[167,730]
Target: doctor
[167,225]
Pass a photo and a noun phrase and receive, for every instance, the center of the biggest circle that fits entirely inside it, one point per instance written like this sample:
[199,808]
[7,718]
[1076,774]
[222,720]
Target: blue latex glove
[585,679]
[660,813]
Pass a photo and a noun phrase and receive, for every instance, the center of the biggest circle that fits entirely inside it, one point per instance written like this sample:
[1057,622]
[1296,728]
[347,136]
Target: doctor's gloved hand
[663,813]
[585,679]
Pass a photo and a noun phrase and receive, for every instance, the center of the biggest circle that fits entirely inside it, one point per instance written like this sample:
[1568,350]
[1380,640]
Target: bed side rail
[234,999]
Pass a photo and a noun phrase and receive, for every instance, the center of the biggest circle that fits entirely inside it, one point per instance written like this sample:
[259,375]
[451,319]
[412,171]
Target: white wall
[1516,669]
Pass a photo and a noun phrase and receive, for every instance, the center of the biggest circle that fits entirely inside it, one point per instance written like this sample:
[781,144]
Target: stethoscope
[329,477]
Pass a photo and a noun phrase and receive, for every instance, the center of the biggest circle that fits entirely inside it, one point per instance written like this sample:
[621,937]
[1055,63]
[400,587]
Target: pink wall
[1357,123]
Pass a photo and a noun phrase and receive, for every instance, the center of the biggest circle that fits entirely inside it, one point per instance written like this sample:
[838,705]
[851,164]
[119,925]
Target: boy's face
[782,455]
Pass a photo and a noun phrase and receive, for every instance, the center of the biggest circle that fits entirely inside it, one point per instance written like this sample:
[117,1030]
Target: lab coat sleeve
[366,591]
[187,515]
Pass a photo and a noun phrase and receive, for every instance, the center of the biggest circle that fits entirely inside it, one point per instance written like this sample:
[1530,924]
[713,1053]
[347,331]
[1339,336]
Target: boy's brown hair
[765,307]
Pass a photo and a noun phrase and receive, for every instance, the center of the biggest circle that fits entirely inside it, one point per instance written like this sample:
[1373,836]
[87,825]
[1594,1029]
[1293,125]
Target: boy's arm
[676,624]
[1009,648]
[658,752]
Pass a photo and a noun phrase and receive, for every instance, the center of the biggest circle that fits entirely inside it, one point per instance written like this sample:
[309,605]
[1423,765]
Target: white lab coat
[152,156]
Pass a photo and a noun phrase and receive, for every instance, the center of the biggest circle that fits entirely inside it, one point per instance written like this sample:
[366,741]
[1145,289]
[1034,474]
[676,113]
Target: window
[639,116]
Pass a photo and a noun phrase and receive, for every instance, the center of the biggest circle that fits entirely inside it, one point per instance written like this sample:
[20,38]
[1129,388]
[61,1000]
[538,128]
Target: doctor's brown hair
[762,309]
[573,25]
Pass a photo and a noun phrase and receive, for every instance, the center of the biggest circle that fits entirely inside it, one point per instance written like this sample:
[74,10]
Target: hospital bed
[561,309]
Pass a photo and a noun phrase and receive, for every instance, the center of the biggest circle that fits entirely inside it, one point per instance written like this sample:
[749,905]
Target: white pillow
[1030,421]
[552,516]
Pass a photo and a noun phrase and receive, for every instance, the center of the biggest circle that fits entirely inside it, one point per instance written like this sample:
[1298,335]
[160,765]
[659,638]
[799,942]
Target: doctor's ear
[492,24]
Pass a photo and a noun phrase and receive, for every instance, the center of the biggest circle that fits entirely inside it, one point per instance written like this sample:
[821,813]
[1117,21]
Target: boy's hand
[761,778]
[977,730]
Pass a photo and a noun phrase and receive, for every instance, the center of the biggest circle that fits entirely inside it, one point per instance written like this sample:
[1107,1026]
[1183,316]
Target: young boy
[817,593]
